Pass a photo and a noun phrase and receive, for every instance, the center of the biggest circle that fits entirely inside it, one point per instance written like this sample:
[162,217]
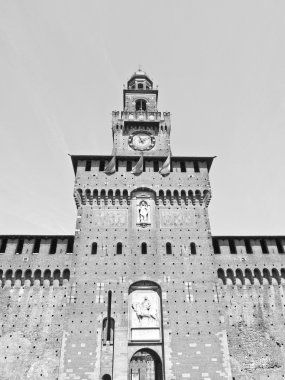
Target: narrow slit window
[232,246]
[129,166]
[88,166]
[248,246]
[37,243]
[196,167]
[216,246]
[3,245]
[119,248]
[20,246]
[101,166]
[193,248]
[279,245]
[94,249]
[53,246]
[144,248]
[168,249]
[155,166]
[264,246]
[182,166]
[70,244]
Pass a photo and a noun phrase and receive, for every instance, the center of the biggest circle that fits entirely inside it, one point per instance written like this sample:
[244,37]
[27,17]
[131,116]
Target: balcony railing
[141,115]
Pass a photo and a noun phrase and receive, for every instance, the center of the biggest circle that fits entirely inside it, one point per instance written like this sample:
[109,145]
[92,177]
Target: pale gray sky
[220,69]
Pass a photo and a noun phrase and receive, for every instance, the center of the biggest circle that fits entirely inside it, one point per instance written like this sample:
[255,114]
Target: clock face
[141,141]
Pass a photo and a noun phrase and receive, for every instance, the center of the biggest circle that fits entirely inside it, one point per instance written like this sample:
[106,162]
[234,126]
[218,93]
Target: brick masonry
[221,299]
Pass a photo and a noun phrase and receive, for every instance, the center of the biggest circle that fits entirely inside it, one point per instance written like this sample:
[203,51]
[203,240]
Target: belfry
[142,290]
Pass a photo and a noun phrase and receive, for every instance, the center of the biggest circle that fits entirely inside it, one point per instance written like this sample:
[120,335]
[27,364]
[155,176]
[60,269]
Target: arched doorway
[145,365]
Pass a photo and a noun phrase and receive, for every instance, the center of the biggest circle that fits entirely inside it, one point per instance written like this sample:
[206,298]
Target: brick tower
[145,302]
[142,291]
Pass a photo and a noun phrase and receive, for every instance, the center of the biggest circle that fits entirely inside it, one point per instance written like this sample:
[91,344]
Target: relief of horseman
[143,310]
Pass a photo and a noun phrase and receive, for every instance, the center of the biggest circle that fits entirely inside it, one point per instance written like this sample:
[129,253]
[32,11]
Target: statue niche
[143,212]
[143,201]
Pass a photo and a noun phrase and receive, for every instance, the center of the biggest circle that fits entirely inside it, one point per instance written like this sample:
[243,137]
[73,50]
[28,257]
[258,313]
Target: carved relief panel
[144,314]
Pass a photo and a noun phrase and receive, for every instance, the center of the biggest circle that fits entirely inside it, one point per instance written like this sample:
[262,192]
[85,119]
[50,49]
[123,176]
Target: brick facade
[142,290]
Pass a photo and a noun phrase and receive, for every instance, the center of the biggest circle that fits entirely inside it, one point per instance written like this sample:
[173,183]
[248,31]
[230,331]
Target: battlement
[249,245]
[30,260]
[105,197]
[36,244]
[188,165]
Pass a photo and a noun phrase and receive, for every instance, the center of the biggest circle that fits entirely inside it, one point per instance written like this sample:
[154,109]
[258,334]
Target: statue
[143,212]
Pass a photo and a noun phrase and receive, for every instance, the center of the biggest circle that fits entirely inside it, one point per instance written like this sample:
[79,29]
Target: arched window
[18,274]
[221,275]
[9,274]
[144,248]
[230,277]
[106,377]
[28,274]
[38,274]
[168,248]
[119,248]
[248,275]
[56,274]
[66,274]
[47,274]
[258,276]
[193,248]
[140,105]
[239,277]
[94,249]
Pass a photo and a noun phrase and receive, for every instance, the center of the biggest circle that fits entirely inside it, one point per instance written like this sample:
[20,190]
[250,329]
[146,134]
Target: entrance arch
[145,364]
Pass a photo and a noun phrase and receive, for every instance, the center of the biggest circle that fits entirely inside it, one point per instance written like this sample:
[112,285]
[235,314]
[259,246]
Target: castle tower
[145,302]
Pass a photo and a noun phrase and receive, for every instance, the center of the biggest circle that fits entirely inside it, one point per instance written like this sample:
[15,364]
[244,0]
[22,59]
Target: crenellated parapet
[26,245]
[247,276]
[248,247]
[29,277]
[122,196]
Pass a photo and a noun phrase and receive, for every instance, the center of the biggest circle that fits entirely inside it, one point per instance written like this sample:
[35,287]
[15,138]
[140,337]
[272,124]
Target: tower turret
[140,127]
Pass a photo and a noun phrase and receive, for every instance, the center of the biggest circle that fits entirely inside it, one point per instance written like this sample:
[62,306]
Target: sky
[219,66]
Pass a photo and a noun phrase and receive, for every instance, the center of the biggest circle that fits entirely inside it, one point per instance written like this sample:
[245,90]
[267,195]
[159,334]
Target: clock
[141,141]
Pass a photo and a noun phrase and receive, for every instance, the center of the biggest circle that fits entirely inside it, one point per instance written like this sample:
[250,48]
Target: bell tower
[140,127]
[146,301]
